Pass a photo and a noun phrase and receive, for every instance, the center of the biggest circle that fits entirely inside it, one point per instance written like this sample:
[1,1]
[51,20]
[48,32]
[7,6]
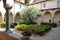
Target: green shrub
[44,23]
[41,30]
[50,24]
[18,27]
[33,28]
[3,24]
[22,22]
[24,27]
[0,24]
[29,28]
[31,22]
[26,22]
[29,14]
[21,27]
[53,24]
[12,25]
[26,33]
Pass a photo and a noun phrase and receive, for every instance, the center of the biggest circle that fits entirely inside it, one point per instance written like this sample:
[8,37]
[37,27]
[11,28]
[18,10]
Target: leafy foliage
[36,29]
[12,25]
[30,14]
[18,27]
[22,22]
[3,24]
[26,33]
[50,24]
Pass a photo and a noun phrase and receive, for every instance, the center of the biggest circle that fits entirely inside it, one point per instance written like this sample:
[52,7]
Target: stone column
[7,8]
[2,18]
[52,18]
[52,12]
[42,15]
[8,19]
[13,18]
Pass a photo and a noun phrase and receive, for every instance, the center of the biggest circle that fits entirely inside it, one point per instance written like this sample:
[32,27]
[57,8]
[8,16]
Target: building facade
[49,10]
[14,12]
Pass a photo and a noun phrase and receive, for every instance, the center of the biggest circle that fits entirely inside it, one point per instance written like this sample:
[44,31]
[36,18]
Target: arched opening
[11,17]
[0,17]
[17,17]
[57,17]
[47,17]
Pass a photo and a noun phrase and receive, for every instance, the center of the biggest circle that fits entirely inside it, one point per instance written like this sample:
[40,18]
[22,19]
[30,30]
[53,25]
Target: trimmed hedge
[18,27]
[3,24]
[26,33]
[22,22]
[26,22]
[50,24]
[42,29]
[12,25]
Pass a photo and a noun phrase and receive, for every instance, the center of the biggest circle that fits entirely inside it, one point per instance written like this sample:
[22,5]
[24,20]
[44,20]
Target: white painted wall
[16,7]
[31,1]
[49,4]
[36,6]
[2,10]
[58,3]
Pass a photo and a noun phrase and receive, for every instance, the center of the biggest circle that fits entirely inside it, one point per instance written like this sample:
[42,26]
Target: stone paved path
[4,36]
[54,34]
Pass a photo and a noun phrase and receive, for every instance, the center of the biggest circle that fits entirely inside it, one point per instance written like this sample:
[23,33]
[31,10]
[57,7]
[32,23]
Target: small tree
[30,13]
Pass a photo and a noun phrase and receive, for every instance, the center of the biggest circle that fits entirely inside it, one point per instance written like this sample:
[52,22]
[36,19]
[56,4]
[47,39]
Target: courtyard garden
[27,24]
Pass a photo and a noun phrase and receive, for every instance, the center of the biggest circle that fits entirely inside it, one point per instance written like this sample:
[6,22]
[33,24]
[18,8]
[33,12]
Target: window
[49,20]
[44,5]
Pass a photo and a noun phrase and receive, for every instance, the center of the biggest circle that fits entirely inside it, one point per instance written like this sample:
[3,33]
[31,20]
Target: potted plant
[26,35]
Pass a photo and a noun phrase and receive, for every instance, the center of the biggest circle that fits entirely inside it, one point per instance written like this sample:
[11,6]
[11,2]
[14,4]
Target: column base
[8,31]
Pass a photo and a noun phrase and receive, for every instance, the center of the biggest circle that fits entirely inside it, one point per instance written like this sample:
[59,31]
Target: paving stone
[54,34]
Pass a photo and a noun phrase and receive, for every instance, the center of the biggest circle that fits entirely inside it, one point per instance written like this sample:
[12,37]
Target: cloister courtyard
[29,20]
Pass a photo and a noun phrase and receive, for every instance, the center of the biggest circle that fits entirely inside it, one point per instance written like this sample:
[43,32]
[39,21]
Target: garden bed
[34,29]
